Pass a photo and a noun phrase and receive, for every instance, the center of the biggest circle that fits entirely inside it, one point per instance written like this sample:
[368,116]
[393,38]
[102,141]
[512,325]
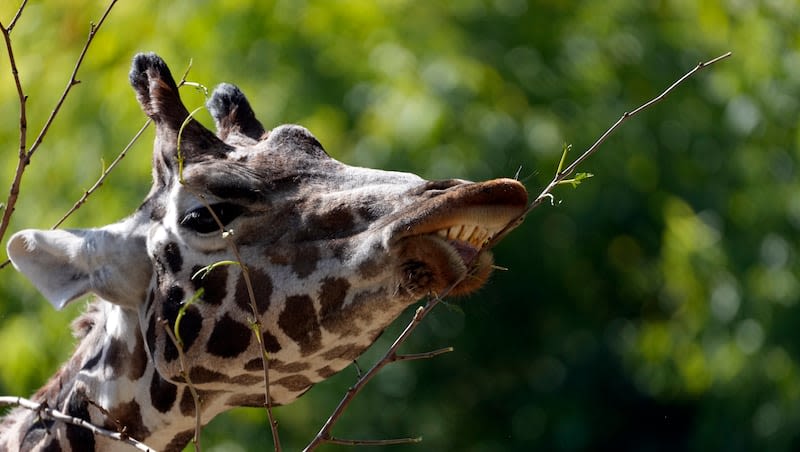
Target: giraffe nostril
[444,184]
[440,185]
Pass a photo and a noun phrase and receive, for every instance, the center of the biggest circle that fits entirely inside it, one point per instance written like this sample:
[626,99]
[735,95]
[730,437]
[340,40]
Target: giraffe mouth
[448,243]
[472,235]
[469,239]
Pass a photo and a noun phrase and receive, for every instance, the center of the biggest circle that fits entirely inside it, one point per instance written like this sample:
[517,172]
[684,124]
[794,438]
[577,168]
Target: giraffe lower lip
[465,250]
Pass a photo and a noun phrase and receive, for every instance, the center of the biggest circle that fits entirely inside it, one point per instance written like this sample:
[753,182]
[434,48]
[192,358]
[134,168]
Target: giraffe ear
[232,114]
[158,95]
[67,264]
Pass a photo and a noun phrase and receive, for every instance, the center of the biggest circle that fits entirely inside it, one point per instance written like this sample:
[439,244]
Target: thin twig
[256,324]
[56,415]
[23,128]
[259,333]
[72,79]
[25,156]
[374,442]
[566,172]
[185,374]
[324,434]
[108,170]
[418,356]
[17,16]
[103,176]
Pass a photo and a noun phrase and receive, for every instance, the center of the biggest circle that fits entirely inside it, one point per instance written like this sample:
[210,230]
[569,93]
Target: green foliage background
[653,308]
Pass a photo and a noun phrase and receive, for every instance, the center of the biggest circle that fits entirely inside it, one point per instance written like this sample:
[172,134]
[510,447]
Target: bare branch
[56,415]
[566,172]
[185,374]
[426,355]
[374,442]
[25,156]
[17,16]
[324,434]
[103,176]
[259,334]
[23,129]
[256,324]
[72,79]
[108,170]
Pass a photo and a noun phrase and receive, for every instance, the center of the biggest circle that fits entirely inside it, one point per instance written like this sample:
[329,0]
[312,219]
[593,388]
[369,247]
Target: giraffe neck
[111,382]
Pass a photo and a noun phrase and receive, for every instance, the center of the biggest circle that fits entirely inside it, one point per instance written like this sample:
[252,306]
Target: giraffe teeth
[474,235]
[454,232]
[466,233]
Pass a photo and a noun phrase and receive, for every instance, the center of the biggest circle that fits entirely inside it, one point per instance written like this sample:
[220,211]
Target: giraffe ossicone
[334,254]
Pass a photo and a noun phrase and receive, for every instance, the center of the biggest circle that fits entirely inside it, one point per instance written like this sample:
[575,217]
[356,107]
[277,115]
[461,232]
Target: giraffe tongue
[465,250]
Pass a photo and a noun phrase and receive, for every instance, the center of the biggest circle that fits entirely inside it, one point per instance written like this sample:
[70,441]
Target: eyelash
[202,221]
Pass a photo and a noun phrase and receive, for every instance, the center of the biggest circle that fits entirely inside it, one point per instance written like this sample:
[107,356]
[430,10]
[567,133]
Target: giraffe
[333,254]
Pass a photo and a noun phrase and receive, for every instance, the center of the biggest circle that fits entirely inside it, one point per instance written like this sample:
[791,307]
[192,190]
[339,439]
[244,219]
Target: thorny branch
[324,434]
[26,153]
[56,415]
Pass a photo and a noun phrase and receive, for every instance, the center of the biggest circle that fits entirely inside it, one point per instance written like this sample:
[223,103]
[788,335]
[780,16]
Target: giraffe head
[249,223]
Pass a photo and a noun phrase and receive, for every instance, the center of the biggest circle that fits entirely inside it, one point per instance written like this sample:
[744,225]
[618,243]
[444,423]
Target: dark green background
[653,308]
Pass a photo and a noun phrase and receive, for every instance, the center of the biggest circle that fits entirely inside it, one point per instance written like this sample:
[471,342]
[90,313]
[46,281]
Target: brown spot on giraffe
[294,382]
[332,296]
[288,368]
[348,352]
[127,416]
[229,338]
[162,393]
[179,441]
[78,407]
[326,372]
[247,379]
[261,284]
[251,400]
[301,258]
[213,283]
[299,321]
[138,360]
[200,374]
[187,402]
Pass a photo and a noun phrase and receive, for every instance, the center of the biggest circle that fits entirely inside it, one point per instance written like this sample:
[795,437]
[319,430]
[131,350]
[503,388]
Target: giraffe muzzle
[446,242]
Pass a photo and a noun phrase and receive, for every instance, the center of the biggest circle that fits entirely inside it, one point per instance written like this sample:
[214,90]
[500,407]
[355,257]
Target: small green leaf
[199,87]
[207,269]
[577,180]
[565,148]
[181,312]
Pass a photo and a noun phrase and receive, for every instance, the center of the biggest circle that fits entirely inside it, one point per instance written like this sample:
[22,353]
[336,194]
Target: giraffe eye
[201,220]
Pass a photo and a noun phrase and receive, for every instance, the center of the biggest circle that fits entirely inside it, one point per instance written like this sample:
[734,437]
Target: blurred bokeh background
[654,307]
